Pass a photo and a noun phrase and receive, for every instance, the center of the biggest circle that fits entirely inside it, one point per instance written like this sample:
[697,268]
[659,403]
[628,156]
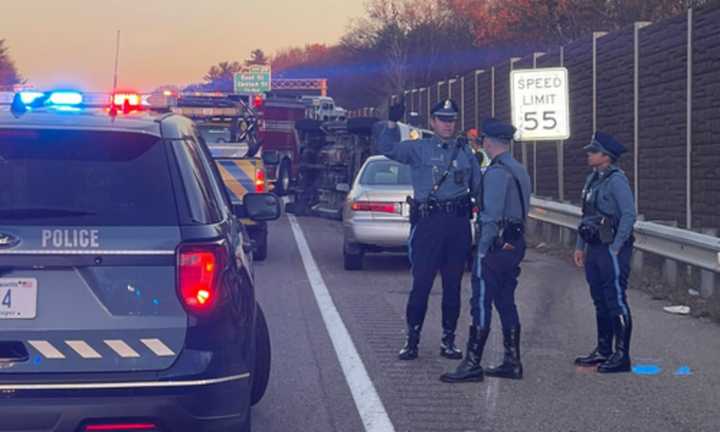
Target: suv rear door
[88,235]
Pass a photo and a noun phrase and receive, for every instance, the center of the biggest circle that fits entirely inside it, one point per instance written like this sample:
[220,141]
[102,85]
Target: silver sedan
[376,216]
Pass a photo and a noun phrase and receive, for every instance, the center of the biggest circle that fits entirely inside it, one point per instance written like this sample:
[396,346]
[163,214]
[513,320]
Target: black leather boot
[448,349]
[469,370]
[511,366]
[603,350]
[619,361]
[410,350]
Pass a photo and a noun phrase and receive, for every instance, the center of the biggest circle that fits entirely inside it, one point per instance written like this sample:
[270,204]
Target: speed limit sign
[540,104]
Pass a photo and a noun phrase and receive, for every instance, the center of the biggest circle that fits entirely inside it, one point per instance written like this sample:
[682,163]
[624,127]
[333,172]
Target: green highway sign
[253,79]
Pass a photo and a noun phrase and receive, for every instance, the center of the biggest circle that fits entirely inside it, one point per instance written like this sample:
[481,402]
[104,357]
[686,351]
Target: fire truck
[279,111]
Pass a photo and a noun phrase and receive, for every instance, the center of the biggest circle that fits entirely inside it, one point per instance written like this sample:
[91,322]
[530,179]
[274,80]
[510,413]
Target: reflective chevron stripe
[83,349]
[158,347]
[47,349]
[121,348]
[63,350]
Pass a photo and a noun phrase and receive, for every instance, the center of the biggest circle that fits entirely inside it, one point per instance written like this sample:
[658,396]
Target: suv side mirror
[270,157]
[260,207]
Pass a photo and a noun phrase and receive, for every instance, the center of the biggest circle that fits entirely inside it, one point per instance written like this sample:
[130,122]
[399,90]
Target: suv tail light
[200,268]
[260,181]
[374,206]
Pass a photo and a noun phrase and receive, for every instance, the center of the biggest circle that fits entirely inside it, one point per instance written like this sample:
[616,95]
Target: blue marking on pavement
[647,369]
[156,301]
[683,371]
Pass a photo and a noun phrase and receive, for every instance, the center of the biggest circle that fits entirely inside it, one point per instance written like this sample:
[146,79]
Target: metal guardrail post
[638,257]
[707,278]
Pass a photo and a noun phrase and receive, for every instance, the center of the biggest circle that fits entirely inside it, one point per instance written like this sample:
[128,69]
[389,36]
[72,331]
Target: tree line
[401,44]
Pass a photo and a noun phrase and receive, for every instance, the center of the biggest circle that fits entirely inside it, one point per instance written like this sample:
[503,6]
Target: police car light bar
[66,100]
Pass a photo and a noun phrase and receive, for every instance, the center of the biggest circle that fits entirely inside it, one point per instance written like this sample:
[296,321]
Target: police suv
[126,285]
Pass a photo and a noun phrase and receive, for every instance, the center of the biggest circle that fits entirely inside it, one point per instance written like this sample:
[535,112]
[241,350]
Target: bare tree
[9,75]
[257,57]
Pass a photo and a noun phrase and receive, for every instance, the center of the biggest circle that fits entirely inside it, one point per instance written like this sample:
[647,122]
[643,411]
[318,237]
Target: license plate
[18,298]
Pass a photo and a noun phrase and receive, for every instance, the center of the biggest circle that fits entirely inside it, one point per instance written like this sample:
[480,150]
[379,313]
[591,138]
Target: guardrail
[688,247]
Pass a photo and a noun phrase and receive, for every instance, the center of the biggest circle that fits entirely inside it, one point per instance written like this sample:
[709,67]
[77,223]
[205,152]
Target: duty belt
[459,207]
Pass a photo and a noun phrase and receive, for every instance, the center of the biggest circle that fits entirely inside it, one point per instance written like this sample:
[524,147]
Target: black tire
[308,125]
[261,246]
[282,183]
[353,261]
[361,125]
[263,358]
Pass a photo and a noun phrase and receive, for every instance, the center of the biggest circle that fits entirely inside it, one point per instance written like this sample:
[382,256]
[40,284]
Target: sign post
[253,79]
[540,104]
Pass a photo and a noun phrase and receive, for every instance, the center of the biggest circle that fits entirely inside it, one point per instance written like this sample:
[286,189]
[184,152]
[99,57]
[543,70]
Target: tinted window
[213,177]
[386,173]
[203,206]
[51,177]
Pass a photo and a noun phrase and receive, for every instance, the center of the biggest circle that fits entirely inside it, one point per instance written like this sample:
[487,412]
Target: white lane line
[367,401]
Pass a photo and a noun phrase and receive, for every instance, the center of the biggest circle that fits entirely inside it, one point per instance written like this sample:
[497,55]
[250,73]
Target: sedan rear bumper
[380,233]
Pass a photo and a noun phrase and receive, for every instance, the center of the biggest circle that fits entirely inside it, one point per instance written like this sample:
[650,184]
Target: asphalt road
[309,390]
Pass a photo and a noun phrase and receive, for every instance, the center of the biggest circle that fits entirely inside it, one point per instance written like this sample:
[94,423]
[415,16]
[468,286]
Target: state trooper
[604,248]
[444,171]
[504,201]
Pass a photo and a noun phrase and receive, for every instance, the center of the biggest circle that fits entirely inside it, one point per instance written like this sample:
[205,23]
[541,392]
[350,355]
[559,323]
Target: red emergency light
[125,101]
[257,101]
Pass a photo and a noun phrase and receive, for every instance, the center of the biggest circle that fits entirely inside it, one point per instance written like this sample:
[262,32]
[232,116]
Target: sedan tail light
[199,270]
[376,206]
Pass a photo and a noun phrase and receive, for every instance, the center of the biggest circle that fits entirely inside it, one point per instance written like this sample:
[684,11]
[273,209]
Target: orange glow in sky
[72,42]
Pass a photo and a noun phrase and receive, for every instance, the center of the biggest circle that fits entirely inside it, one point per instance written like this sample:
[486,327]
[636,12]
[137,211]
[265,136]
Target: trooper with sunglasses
[444,174]
[604,248]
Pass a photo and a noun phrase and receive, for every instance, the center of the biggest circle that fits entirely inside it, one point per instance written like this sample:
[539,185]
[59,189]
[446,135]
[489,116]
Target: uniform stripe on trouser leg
[410,241]
[47,349]
[481,296]
[83,349]
[618,288]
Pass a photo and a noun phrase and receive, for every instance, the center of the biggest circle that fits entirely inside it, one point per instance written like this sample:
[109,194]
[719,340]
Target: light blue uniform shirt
[614,198]
[428,159]
[501,198]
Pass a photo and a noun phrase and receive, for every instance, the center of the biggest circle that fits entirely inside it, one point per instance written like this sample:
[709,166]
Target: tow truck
[229,127]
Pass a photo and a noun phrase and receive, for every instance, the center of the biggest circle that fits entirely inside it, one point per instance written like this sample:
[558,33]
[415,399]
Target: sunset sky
[72,42]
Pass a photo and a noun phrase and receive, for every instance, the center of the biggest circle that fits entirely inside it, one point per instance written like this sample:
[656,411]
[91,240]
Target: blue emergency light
[65,98]
[28,97]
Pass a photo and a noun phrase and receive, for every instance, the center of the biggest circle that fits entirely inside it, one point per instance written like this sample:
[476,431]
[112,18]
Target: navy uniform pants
[438,243]
[607,275]
[495,278]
